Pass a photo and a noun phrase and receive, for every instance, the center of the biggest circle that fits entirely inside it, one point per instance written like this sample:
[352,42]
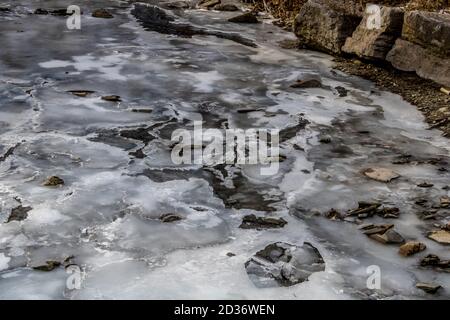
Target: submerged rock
[253,222]
[170,217]
[49,266]
[81,93]
[428,287]
[19,213]
[102,13]
[310,83]
[53,181]
[248,17]
[154,18]
[410,248]
[112,98]
[284,264]
[381,174]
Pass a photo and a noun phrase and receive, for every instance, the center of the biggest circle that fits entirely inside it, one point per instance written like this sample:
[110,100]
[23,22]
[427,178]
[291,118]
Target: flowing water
[119,177]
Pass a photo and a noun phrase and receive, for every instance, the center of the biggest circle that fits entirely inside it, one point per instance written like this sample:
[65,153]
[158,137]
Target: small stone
[112,98]
[253,222]
[381,174]
[248,17]
[425,185]
[49,266]
[231,254]
[410,248]
[342,92]
[226,7]
[53,181]
[325,139]
[428,287]
[445,202]
[311,83]
[333,215]
[389,237]
[41,11]
[102,13]
[81,93]
[430,260]
[440,236]
[170,217]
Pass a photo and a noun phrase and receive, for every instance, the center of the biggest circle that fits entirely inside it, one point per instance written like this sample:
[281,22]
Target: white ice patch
[205,80]
[4,260]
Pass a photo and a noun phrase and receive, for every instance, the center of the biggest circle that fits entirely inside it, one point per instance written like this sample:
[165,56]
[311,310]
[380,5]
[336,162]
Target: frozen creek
[106,214]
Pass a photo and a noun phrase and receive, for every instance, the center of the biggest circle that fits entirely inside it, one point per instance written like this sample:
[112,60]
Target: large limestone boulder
[373,42]
[424,46]
[429,30]
[321,27]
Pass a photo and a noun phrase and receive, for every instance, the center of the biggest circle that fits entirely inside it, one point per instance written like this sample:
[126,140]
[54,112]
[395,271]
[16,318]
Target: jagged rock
[207,4]
[226,7]
[428,287]
[342,92]
[170,217]
[19,213]
[253,222]
[410,248]
[320,27]
[308,83]
[154,18]
[411,57]
[440,236]
[248,17]
[375,43]
[381,174]
[53,181]
[433,260]
[112,98]
[102,13]
[389,237]
[81,93]
[430,30]
[284,264]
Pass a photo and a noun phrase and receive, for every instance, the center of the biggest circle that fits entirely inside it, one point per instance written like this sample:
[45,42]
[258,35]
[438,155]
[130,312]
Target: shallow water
[106,214]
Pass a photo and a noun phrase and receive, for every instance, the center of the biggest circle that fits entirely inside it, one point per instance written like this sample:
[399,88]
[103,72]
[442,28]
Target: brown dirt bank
[425,94]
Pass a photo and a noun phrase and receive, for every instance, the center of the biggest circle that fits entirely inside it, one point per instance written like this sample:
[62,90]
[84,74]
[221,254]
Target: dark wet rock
[5,9]
[55,12]
[170,217]
[292,131]
[370,229]
[425,185]
[140,134]
[154,18]
[325,139]
[434,261]
[342,92]
[139,154]
[308,83]
[284,264]
[142,110]
[226,7]
[208,4]
[248,17]
[253,222]
[428,287]
[374,43]
[102,13]
[370,209]
[81,93]
[411,248]
[177,5]
[48,266]
[333,215]
[381,174]
[53,181]
[231,254]
[112,98]
[321,27]
[9,152]
[440,236]
[19,213]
